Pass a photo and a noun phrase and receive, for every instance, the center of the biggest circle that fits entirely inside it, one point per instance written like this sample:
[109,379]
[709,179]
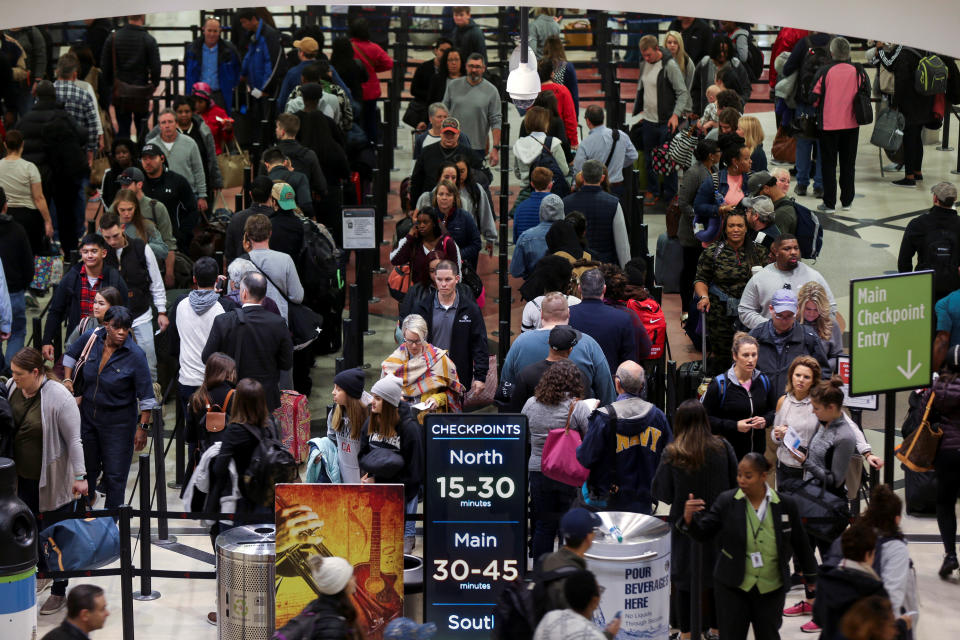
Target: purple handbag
[559,458]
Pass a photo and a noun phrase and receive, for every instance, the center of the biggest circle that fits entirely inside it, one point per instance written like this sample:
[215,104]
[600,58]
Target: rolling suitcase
[669,263]
[293,416]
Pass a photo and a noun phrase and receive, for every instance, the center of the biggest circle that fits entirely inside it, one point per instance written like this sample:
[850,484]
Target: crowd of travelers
[94,169]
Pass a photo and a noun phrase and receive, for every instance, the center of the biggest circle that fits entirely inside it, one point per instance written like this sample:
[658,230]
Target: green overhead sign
[891,332]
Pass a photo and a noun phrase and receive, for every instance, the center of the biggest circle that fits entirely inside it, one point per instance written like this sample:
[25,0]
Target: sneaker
[802,608]
[893,166]
[818,192]
[810,627]
[905,182]
[823,208]
[43,583]
[31,302]
[800,190]
[846,207]
[212,618]
[918,177]
[949,565]
[53,605]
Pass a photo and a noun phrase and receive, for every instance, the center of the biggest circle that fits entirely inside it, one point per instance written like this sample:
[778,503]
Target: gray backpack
[888,130]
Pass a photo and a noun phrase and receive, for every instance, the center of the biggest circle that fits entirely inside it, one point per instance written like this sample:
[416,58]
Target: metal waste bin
[631,559]
[245,582]
[18,559]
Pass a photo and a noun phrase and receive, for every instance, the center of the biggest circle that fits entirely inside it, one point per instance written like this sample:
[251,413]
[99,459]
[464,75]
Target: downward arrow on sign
[908,372]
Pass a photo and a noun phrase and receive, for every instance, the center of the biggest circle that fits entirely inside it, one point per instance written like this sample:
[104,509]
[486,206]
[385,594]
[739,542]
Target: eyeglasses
[412,342]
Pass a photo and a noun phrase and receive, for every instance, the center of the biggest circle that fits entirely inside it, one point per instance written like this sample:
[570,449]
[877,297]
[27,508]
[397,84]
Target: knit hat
[202,90]
[551,208]
[351,381]
[389,388]
[331,575]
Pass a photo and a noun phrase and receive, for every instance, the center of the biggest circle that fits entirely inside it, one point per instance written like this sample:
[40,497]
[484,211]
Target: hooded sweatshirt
[528,148]
[192,322]
[532,244]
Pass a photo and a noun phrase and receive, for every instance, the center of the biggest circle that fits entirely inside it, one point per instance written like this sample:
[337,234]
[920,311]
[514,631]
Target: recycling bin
[18,559]
[630,557]
[246,583]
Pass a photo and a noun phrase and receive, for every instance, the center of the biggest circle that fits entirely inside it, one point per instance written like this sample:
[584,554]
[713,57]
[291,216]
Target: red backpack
[651,315]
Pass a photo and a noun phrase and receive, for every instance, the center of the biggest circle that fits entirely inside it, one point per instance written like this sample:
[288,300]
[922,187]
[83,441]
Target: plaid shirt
[80,105]
[87,292]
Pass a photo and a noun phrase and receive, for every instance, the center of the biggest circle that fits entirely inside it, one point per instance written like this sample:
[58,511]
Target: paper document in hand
[792,441]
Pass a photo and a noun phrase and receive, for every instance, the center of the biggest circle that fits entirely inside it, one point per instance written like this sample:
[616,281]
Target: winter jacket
[731,403]
[463,229]
[323,454]
[774,362]
[673,97]
[468,341]
[319,620]
[184,158]
[727,520]
[642,433]
[15,254]
[428,166]
[305,161]
[946,411]
[53,141]
[214,117]
[408,443]
[696,38]
[914,243]
[787,39]
[66,299]
[469,39]
[837,590]
[137,54]
[606,226]
[263,56]
[35,47]
[374,60]
[612,328]
[228,67]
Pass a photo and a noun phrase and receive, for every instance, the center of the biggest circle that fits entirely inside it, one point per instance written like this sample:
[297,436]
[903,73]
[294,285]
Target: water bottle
[616,533]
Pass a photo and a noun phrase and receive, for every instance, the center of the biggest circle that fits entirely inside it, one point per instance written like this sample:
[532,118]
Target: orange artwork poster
[361,523]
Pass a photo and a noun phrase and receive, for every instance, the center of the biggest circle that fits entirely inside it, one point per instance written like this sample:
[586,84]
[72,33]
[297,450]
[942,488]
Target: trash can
[631,559]
[413,587]
[18,559]
[245,582]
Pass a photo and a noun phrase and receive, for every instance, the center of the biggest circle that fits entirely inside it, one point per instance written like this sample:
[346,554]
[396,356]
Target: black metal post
[146,592]
[160,468]
[178,430]
[339,364]
[889,429]
[671,389]
[37,338]
[126,572]
[238,201]
[351,357]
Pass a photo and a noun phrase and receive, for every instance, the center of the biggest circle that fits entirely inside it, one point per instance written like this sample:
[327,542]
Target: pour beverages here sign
[891,332]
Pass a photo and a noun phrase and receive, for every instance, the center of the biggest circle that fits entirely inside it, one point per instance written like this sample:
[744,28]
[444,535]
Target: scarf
[202,299]
[430,373]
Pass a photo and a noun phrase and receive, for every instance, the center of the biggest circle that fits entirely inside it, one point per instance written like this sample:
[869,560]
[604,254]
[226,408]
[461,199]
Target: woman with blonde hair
[673,42]
[814,308]
[427,372]
[752,133]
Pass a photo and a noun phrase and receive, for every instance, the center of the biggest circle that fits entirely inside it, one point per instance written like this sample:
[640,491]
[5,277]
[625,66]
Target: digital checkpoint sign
[474,518]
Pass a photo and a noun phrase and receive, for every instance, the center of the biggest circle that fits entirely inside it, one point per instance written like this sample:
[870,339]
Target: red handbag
[559,458]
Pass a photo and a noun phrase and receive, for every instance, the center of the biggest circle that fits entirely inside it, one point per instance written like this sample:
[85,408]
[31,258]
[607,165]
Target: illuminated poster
[362,523]
[474,518]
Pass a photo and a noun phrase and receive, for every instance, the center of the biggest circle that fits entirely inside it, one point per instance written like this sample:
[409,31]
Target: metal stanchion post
[37,338]
[671,390]
[126,573]
[238,202]
[350,356]
[889,430]
[160,469]
[945,142]
[146,592]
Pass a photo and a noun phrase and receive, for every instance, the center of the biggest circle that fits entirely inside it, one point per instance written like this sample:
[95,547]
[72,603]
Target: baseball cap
[450,124]
[946,192]
[284,196]
[130,175]
[578,522]
[759,204]
[758,181]
[563,337]
[784,300]
[150,149]
[307,45]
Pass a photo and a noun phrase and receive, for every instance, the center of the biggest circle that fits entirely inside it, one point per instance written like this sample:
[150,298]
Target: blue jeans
[143,334]
[107,436]
[18,331]
[549,500]
[807,148]
[410,526]
[654,135]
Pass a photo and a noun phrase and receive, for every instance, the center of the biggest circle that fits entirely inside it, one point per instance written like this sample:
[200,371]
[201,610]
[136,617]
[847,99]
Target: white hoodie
[528,148]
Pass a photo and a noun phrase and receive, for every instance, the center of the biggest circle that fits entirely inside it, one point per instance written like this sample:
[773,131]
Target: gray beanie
[389,388]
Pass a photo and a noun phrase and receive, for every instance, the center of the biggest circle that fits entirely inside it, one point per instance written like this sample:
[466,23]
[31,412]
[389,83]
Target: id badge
[756,559]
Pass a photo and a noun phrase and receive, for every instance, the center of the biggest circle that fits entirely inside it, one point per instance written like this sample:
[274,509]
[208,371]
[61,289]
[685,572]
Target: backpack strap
[616,137]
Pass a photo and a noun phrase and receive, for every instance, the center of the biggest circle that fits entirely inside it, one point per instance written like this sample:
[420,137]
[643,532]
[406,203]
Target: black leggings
[947,466]
[708,610]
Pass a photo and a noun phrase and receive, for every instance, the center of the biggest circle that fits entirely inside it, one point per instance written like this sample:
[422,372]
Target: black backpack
[813,60]
[271,464]
[809,232]
[546,159]
[941,253]
[524,602]
[754,61]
